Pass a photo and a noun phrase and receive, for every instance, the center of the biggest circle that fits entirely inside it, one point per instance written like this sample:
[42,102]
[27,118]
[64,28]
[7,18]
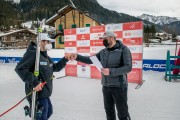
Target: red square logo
[83,49]
[95,73]
[132,26]
[135,75]
[132,41]
[83,36]
[71,70]
[96,29]
[69,31]
[137,56]
[70,43]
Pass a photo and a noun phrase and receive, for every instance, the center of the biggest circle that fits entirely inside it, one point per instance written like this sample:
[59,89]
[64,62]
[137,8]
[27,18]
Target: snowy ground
[81,99]
[153,52]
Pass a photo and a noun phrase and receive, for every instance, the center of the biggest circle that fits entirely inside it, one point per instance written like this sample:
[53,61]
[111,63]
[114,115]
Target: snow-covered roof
[9,33]
[163,33]
[178,37]
[64,9]
[50,19]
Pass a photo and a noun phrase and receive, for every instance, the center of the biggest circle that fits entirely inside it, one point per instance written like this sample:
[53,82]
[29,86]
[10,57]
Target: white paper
[96,62]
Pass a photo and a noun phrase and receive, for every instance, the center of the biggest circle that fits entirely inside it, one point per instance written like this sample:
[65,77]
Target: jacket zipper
[106,64]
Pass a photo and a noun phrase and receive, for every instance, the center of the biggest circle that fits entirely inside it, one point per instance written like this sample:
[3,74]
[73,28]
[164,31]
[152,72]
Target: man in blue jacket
[116,60]
[25,70]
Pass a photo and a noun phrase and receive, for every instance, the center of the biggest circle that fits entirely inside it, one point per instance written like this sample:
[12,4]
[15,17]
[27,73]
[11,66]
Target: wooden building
[17,39]
[70,17]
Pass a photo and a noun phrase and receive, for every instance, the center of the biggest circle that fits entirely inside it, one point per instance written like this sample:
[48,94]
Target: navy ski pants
[47,108]
[115,96]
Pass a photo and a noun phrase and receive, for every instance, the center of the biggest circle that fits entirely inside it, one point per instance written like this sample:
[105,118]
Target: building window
[60,27]
[88,25]
[73,25]
[61,40]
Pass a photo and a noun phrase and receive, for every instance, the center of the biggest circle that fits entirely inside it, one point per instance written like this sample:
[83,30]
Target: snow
[14,31]
[52,18]
[158,52]
[178,37]
[54,53]
[161,20]
[29,24]
[152,52]
[81,98]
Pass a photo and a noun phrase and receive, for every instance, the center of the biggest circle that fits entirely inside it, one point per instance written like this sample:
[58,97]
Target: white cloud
[154,7]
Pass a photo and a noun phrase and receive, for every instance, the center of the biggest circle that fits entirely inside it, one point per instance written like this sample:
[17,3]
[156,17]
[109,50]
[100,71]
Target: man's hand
[38,87]
[67,56]
[71,56]
[105,71]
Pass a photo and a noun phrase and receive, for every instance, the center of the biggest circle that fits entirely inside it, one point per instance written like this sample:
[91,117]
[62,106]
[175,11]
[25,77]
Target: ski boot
[38,111]
[27,110]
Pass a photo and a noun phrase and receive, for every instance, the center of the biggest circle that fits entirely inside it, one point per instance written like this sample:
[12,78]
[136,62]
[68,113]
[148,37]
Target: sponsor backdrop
[155,65]
[85,41]
[17,59]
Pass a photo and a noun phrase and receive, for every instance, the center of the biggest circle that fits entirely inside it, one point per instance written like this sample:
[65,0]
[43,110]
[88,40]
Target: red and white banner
[85,41]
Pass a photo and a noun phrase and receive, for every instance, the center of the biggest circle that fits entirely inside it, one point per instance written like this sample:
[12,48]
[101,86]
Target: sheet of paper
[96,62]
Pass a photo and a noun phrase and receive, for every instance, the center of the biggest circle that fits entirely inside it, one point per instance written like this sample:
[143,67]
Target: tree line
[13,13]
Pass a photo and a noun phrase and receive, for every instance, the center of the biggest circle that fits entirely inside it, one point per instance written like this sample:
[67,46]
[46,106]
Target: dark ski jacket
[25,70]
[118,59]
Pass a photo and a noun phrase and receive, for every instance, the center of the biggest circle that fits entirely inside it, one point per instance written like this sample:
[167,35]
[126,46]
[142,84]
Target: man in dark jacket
[25,70]
[116,60]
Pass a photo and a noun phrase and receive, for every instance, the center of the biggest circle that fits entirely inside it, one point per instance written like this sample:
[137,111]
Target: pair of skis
[36,73]
[36,70]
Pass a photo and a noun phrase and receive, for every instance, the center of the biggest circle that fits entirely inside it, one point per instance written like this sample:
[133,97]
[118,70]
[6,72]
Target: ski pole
[42,85]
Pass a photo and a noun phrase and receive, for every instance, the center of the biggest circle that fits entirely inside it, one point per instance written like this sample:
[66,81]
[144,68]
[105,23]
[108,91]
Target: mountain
[160,20]
[33,9]
[173,28]
[170,25]
[95,1]
[27,10]
[102,14]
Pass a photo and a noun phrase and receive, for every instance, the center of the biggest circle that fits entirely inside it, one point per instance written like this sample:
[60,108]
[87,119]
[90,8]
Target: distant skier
[25,70]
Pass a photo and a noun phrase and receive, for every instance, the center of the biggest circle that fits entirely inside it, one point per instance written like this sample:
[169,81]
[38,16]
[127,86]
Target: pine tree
[153,29]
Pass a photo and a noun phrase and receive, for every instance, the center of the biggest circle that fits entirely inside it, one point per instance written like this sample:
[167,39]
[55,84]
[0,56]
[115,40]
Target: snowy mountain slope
[161,20]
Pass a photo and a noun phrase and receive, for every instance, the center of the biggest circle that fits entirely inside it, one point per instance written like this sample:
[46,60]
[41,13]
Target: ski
[36,71]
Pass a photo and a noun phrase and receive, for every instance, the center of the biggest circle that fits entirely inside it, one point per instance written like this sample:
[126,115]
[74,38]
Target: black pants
[115,96]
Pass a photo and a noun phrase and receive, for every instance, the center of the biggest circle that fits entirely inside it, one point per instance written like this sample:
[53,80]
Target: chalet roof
[178,37]
[162,33]
[17,31]
[64,11]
